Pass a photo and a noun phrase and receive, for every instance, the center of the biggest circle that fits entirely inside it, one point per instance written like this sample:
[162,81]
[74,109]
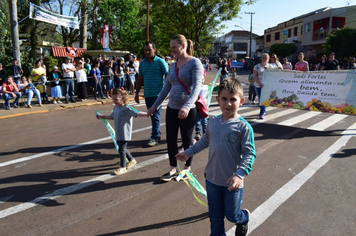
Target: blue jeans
[69,88]
[262,108]
[201,123]
[29,93]
[7,98]
[96,86]
[222,77]
[124,153]
[155,119]
[119,82]
[223,203]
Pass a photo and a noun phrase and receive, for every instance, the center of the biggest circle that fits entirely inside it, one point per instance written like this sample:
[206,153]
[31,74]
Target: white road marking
[273,116]
[64,191]
[297,119]
[266,209]
[23,159]
[320,126]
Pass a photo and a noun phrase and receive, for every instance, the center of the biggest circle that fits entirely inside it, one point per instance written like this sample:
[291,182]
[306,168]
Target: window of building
[240,47]
[338,24]
[307,28]
[276,36]
[268,38]
[289,33]
[295,31]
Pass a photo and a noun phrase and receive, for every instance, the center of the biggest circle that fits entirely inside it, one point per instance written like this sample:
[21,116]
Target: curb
[61,107]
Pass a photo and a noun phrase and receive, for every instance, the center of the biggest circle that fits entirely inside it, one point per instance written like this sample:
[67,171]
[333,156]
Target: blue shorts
[109,83]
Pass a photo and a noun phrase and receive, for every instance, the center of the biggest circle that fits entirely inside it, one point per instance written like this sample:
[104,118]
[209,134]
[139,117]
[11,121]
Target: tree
[283,49]
[193,18]
[14,30]
[5,36]
[129,23]
[342,43]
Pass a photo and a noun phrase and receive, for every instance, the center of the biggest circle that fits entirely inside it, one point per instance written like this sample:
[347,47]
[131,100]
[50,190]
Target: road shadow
[183,221]
[345,153]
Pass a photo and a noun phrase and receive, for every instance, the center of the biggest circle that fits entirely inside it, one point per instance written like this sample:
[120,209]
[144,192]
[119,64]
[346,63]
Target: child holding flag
[122,116]
[231,155]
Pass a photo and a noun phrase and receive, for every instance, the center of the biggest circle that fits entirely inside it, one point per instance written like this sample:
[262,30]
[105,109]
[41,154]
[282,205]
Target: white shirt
[68,66]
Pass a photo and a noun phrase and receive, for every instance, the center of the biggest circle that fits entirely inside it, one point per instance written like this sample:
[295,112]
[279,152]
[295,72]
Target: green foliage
[5,38]
[342,43]
[282,49]
[129,32]
[195,19]
[50,62]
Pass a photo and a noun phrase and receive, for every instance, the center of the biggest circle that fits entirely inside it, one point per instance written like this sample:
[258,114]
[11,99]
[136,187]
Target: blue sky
[269,13]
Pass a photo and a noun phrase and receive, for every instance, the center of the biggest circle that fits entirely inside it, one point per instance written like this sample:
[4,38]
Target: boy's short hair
[122,93]
[233,85]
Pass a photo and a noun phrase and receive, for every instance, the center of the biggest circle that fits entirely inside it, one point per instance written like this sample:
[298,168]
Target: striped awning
[68,51]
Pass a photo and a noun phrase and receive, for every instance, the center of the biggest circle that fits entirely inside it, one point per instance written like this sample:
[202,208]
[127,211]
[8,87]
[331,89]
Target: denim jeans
[262,108]
[224,203]
[96,86]
[69,88]
[29,93]
[7,98]
[222,77]
[155,119]
[251,93]
[201,123]
[124,153]
[119,82]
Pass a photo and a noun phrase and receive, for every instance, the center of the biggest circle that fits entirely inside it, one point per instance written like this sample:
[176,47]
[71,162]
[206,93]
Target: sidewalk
[48,107]
[23,110]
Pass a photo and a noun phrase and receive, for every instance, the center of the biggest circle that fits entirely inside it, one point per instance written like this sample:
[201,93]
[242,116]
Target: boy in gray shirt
[231,155]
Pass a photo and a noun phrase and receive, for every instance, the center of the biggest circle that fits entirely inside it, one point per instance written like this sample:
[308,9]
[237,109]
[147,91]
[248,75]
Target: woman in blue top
[181,111]
[97,80]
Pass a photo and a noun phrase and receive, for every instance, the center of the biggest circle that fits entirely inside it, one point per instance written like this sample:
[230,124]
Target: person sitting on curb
[28,89]
[9,90]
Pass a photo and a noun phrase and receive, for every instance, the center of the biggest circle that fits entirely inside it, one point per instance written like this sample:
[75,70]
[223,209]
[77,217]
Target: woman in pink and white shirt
[301,65]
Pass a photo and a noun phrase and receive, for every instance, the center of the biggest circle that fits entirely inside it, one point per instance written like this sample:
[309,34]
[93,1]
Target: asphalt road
[55,177]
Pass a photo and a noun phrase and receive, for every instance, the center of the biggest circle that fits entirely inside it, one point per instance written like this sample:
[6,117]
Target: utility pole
[251,13]
[83,25]
[14,30]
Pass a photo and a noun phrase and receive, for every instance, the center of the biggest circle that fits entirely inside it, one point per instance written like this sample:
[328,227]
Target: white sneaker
[120,171]
[131,164]
[59,101]
[54,102]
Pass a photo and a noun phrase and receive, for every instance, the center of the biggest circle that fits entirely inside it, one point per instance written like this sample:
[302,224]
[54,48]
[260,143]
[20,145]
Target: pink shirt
[300,66]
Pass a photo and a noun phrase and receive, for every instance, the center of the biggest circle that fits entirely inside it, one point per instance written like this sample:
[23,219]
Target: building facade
[235,44]
[309,31]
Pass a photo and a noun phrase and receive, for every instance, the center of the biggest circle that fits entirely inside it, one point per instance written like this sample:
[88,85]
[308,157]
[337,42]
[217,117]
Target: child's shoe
[120,171]
[169,176]
[131,164]
[241,229]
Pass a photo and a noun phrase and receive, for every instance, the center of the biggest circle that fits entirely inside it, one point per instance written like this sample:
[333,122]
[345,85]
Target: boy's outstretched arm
[142,114]
[104,117]
[182,156]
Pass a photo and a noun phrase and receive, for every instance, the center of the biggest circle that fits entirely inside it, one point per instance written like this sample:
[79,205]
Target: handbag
[200,103]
